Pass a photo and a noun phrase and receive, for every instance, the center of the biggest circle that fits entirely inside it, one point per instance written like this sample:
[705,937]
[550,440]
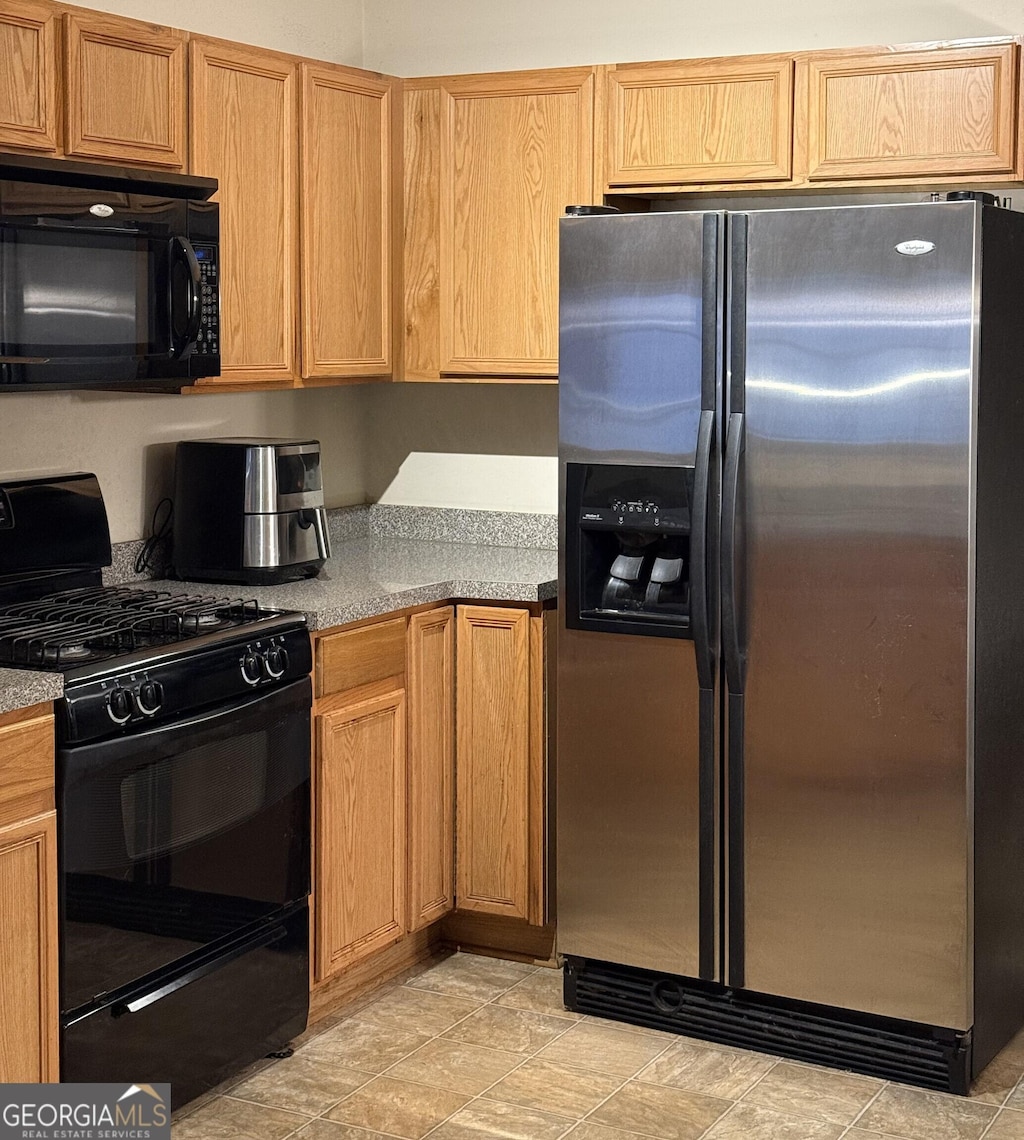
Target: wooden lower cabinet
[500,763]
[29,1001]
[360,832]
[431,664]
[28,950]
[429,782]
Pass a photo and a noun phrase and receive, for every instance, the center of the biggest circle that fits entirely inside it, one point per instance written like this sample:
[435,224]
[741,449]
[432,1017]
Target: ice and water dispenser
[628,548]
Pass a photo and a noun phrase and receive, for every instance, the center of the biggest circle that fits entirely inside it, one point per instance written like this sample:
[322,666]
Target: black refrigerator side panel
[999,618]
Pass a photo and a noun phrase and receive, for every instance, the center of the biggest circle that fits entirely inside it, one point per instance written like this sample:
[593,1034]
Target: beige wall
[409,37]
[128,440]
[323,29]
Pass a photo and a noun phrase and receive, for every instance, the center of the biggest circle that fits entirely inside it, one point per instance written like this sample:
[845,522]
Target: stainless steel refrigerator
[790,684]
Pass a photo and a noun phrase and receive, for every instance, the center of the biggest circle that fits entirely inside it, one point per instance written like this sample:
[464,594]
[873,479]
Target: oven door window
[180,836]
[83,293]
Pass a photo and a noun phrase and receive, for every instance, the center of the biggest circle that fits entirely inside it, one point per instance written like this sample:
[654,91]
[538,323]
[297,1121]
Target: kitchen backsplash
[382,520]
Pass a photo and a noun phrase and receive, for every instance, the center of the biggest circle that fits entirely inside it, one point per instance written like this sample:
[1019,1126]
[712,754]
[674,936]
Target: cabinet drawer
[359,656]
[26,768]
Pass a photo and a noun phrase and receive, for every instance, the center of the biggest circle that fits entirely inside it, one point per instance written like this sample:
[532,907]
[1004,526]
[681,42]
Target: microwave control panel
[208,337]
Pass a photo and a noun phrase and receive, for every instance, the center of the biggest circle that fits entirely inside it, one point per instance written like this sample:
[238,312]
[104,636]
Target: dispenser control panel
[634,513]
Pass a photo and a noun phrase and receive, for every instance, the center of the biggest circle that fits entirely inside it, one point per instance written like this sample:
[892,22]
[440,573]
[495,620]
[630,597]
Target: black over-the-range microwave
[109,277]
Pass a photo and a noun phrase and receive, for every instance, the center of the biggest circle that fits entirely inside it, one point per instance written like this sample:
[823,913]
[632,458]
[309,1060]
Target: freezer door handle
[700,623]
[732,650]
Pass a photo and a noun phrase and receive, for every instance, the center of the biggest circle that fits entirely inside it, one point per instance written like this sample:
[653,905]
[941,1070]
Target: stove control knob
[252,668]
[120,705]
[276,661]
[150,697]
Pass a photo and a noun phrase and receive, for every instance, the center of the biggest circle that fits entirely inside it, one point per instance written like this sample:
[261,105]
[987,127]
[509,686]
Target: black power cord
[159,540]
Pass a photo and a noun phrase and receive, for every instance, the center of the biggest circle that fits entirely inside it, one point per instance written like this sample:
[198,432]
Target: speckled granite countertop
[368,577]
[386,558]
[21,688]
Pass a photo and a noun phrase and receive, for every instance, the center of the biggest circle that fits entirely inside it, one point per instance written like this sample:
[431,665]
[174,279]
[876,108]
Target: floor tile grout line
[480,1095]
[493,1000]
[860,1115]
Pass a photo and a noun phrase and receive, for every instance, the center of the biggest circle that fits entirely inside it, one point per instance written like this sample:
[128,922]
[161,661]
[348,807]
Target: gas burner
[75,654]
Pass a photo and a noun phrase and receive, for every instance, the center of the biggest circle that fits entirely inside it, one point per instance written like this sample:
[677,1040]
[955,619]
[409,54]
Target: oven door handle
[265,938]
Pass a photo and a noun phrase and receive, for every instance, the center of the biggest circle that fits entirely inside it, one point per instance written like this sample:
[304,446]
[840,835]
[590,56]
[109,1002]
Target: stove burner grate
[75,627]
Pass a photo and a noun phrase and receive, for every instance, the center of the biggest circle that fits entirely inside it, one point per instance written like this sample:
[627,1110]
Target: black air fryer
[249,510]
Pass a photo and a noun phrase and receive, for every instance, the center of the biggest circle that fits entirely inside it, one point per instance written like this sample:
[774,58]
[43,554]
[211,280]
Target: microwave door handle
[181,249]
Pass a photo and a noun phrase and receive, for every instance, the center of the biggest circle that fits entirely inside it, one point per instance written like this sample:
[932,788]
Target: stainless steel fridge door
[854,604]
[639,359]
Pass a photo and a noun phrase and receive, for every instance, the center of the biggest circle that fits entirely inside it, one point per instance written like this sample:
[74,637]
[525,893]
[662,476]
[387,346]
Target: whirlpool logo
[85,1112]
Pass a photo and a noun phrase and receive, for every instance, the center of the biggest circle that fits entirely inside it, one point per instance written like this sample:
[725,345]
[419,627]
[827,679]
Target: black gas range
[132,656]
[182,773]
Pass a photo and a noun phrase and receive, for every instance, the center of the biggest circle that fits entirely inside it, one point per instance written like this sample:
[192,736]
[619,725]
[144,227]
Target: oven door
[107,302]
[179,838]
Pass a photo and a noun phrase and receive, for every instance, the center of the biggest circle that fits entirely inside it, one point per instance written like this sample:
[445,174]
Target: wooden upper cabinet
[898,114]
[699,121]
[516,149]
[125,90]
[28,76]
[243,110]
[346,223]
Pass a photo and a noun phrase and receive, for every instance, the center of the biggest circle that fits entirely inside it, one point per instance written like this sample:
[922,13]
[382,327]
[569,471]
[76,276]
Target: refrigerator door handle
[732,651]
[700,622]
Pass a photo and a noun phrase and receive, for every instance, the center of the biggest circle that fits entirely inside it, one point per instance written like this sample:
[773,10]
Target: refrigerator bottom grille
[925,1055]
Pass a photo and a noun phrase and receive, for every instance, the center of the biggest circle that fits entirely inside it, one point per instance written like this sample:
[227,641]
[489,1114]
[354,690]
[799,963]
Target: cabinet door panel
[948,111]
[360,831]
[431,765]
[346,205]
[421,234]
[28,77]
[243,116]
[515,152]
[701,122]
[125,90]
[28,950]
[493,710]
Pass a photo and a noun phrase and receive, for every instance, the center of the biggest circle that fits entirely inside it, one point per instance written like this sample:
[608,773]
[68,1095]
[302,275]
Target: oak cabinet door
[29,1013]
[125,90]
[515,151]
[28,76]
[243,111]
[911,114]
[499,869]
[430,677]
[360,831]
[346,223]
[700,121]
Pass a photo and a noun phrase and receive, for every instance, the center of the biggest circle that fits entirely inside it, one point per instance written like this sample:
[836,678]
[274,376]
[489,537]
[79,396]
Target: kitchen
[468,447]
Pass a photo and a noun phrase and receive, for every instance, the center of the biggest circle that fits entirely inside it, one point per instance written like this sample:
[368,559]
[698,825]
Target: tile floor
[473,1048]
